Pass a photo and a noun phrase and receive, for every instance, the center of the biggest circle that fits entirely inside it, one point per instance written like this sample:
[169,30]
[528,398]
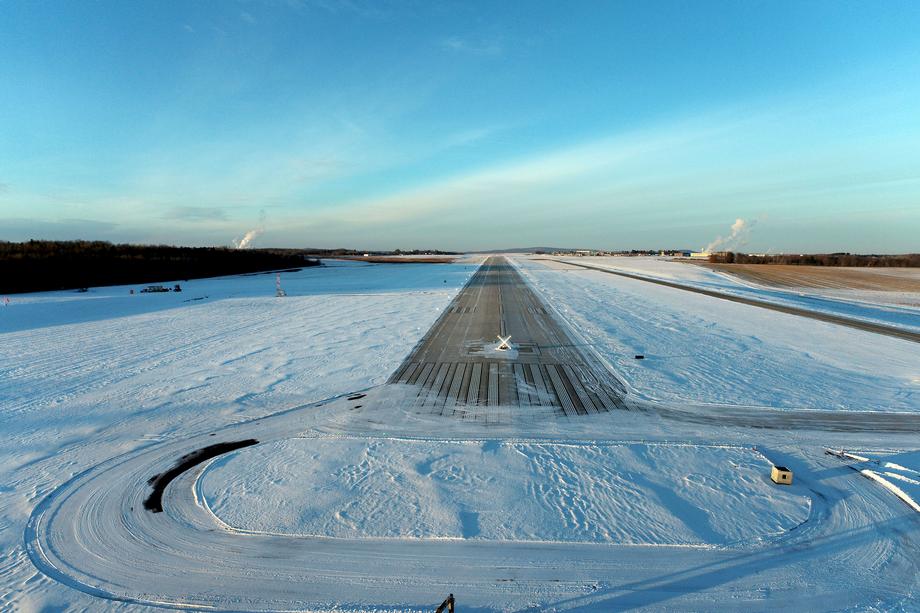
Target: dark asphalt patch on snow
[154,502]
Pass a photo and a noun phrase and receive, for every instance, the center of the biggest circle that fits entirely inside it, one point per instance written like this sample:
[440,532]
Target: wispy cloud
[362,8]
[472,46]
[525,182]
[468,137]
[196,213]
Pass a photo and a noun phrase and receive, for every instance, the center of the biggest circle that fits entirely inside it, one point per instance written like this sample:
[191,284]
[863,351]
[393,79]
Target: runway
[456,363]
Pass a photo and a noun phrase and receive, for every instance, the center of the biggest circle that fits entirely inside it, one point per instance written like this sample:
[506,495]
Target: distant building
[702,255]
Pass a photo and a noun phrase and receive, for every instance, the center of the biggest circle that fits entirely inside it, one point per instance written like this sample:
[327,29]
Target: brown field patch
[824,277]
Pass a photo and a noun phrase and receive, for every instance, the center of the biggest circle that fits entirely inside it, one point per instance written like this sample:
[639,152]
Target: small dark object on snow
[639,356]
[158,483]
[447,605]
[82,290]
[177,288]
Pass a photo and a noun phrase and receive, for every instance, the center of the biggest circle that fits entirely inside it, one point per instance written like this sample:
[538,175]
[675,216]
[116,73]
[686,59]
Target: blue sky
[462,125]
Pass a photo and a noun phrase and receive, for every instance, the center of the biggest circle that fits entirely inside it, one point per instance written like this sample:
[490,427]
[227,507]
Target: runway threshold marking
[456,362]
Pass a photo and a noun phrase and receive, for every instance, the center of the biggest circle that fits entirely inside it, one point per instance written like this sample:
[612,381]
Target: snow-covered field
[616,511]
[899,309]
[701,349]
[627,493]
[896,471]
[84,377]
[854,550]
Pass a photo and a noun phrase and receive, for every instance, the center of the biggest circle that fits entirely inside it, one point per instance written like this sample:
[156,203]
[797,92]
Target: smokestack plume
[246,241]
[741,229]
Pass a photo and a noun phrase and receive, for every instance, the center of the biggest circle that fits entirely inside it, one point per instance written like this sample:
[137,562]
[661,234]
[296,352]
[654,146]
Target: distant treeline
[345,252]
[40,265]
[820,259]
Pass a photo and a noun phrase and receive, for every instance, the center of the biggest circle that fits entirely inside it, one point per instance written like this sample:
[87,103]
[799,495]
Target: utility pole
[278,291]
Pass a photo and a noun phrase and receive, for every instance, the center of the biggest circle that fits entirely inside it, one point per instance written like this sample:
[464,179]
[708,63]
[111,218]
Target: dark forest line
[40,265]
[906,260]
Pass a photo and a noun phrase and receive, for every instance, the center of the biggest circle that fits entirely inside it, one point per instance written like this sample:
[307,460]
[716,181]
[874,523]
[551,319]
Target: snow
[335,278]
[894,489]
[599,492]
[381,508]
[898,309]
[86,376]
[899,472]
[704,350]
[854,548]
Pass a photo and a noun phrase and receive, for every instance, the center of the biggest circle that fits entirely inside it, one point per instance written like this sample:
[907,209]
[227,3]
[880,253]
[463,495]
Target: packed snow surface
[626,493]
[87,376]
[900,469]
[702,349]
[894,308]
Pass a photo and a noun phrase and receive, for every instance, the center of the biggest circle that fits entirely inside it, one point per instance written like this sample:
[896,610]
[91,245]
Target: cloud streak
[481,47]
[523,181]
[196,213]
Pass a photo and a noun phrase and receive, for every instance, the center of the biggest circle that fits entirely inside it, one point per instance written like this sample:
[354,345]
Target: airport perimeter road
[826,317]
[456,364]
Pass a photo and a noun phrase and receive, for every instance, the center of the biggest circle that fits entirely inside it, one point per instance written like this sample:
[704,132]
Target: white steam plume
[738,238]
[247,239]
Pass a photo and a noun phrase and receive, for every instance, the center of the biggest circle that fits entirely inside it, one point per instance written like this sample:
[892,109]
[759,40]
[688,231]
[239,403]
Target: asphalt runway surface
[456,363]
[866,326]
